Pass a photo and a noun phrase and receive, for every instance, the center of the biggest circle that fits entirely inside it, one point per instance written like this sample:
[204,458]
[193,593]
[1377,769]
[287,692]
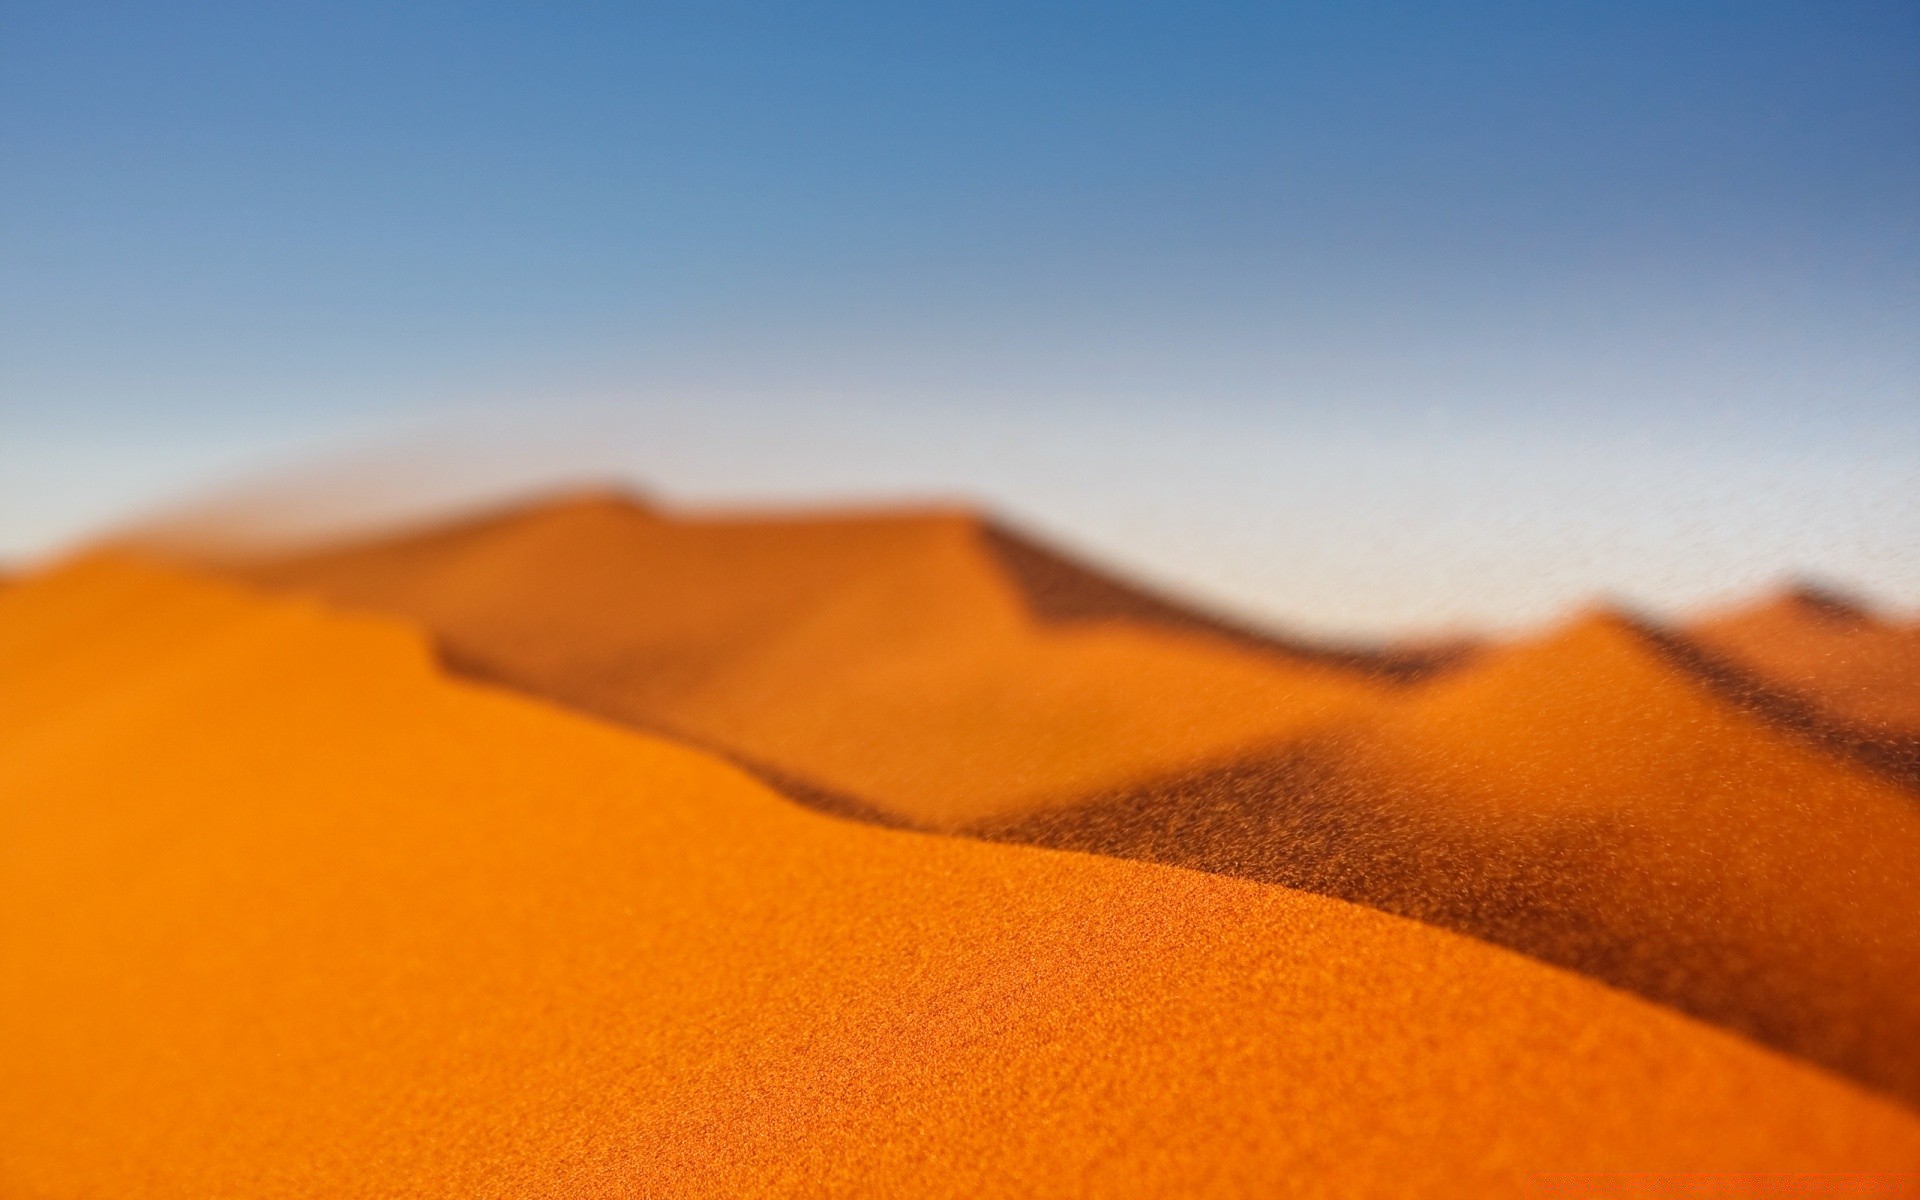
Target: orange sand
[288,912]
[885,658]
[1596,798]
[1862,670]
[1677,846]
[1581,798]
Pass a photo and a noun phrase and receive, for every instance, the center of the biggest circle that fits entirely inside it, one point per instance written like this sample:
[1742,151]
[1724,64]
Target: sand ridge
[290,913]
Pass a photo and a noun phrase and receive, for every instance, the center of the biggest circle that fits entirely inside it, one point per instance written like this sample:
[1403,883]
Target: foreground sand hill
[1693,815]
[291,912]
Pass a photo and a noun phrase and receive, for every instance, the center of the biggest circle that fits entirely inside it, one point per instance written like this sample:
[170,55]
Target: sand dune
[1845,673]
[290,913]
[1580,798]
[886,663]
[1602,798]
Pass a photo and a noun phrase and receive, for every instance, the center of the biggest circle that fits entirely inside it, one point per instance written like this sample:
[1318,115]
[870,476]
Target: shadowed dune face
[289,912]
[1061,591]
[1628,802]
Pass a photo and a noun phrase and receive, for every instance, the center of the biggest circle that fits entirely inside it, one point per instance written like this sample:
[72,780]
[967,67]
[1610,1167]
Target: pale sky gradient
[1364,316]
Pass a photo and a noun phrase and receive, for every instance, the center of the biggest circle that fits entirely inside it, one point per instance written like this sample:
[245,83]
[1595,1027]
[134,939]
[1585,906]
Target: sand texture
[1580,799]
[291,912]
[1853,671]
[1716,817]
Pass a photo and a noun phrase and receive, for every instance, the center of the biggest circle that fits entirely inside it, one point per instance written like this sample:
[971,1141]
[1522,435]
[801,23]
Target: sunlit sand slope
[290,913]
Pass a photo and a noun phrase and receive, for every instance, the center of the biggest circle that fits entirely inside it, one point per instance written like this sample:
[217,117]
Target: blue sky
[230,233]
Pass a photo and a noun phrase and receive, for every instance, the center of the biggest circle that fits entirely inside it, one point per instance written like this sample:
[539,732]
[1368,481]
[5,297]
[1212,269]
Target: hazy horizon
[1363,318]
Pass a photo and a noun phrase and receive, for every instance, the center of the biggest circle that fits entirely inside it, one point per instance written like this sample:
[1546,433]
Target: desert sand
[1851,671]
[291,912]
[1580,798]
[887,659]
[1658,809]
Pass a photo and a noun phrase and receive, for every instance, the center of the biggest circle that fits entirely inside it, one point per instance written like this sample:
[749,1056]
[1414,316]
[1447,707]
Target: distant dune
[890,659]
[1852,673]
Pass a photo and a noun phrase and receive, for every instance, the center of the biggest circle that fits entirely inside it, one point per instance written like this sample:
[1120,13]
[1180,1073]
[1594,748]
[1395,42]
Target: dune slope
[290,913]
[1816,661]
[1582,799]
